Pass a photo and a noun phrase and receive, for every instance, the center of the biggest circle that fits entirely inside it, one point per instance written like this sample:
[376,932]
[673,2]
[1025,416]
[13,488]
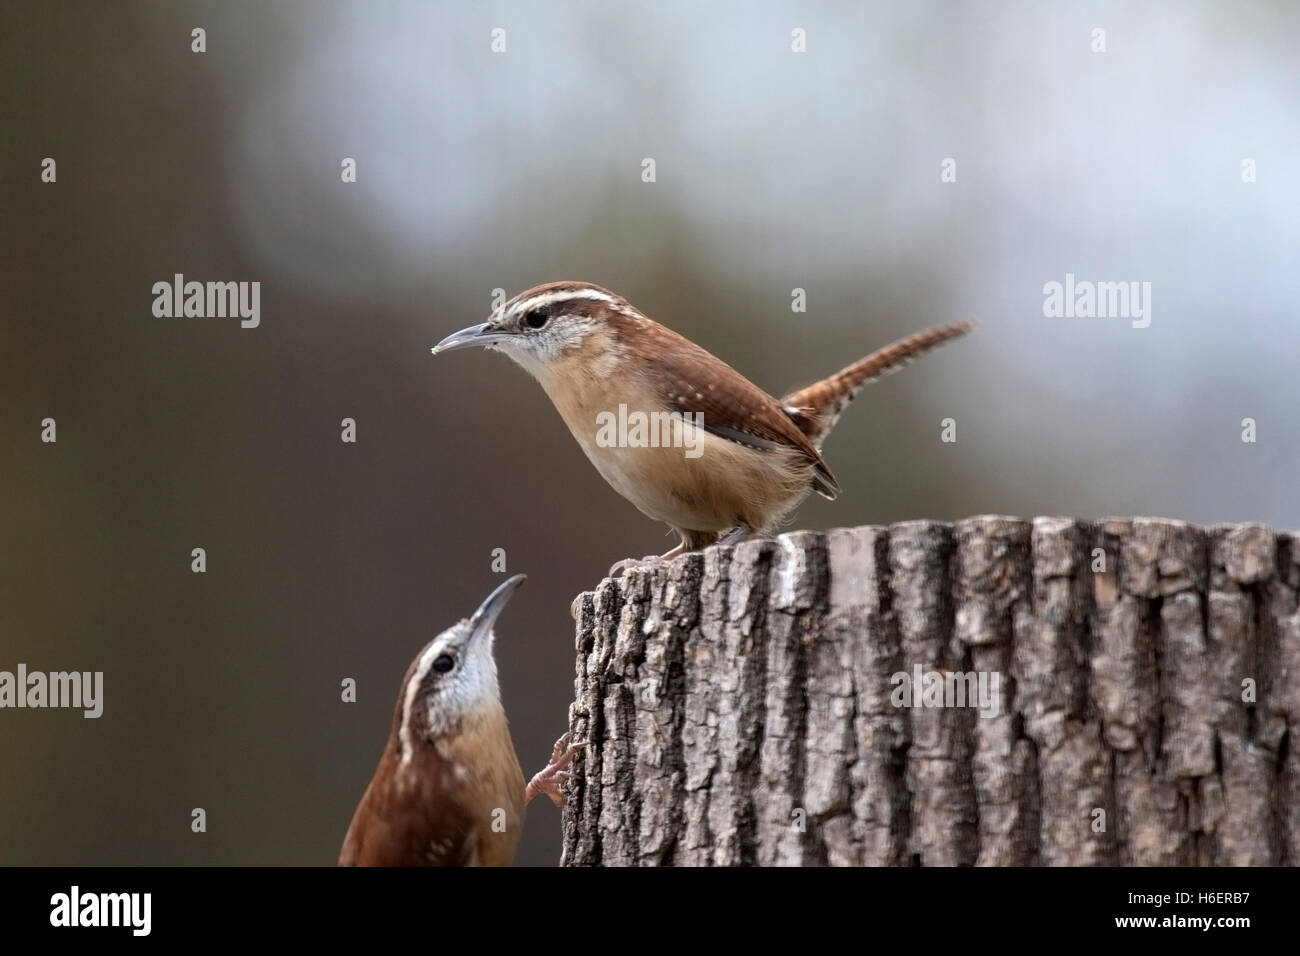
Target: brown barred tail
[816,408]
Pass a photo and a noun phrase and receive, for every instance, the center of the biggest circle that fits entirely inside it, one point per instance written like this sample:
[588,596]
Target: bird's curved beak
[476,336]
[488,612]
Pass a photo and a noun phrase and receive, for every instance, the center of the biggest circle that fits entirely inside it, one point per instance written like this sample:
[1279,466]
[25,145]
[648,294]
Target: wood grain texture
[739,704]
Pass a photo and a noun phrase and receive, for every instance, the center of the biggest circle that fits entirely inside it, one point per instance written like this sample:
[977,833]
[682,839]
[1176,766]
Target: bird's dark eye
[443,663]
[538,317]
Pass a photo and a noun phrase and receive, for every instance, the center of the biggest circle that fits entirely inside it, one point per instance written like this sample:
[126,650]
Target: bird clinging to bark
[448,790]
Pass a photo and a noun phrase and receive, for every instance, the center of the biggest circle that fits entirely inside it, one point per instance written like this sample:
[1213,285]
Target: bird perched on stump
[721,457]
[448,790]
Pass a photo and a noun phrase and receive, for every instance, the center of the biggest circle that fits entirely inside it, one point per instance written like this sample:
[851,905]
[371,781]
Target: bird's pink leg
[549,778]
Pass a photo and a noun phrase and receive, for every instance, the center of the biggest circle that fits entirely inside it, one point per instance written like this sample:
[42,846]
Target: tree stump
[745,705]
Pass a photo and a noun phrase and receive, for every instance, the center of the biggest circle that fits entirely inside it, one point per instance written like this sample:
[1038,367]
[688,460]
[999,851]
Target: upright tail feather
[816,408]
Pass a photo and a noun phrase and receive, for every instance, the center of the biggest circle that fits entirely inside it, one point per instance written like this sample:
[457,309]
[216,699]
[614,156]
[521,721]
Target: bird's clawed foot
[550,777]
[620,568]
[649,561]
[734,535]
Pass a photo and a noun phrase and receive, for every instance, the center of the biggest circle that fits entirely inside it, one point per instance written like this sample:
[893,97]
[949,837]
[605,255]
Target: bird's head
[538,327]
[454,677]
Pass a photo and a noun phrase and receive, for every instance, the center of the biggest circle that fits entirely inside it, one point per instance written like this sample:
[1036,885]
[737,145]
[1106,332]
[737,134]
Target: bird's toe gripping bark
[550,778]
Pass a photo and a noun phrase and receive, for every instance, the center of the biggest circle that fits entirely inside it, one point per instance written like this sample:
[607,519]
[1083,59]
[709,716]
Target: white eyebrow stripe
[564,295]
[421,671]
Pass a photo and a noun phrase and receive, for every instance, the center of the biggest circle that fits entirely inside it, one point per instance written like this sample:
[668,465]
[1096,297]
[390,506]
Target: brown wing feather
[419,824]
[690,379]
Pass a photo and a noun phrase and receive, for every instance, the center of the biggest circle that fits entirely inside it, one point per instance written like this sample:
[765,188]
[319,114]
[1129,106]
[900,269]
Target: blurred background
[479,170]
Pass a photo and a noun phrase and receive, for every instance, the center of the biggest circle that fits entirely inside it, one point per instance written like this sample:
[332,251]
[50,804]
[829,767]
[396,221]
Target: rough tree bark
[737,703]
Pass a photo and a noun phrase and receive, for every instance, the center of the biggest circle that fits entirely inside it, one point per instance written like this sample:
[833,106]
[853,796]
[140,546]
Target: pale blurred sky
[821,170]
